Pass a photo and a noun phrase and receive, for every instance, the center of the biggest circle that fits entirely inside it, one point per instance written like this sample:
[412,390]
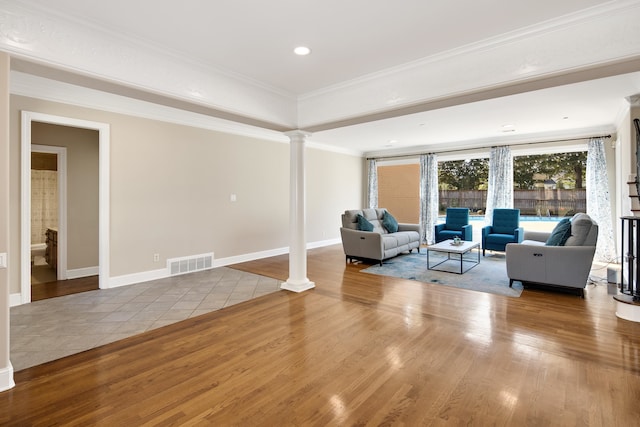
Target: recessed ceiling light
[508,126]
[302,50]
[391,143]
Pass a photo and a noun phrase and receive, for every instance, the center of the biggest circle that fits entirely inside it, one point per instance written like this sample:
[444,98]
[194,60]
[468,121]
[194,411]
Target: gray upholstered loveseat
[565,266]
[378,244]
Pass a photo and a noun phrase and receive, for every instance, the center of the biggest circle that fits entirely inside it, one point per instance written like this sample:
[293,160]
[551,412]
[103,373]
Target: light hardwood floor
[359,349]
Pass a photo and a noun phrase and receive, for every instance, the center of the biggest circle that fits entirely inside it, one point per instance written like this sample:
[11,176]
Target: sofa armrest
[486,230]
[439,227]
[364,244]
[538,236]
[467,232]
[409,227]
[519,234]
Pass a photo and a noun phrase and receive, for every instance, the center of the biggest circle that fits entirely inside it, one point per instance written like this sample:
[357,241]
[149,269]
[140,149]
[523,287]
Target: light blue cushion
[560,233]
[389,222]
[364,224]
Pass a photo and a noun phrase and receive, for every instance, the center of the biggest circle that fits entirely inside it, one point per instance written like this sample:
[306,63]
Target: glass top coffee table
[459,250]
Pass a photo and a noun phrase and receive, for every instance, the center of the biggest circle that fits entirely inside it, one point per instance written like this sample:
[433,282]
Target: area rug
[489,276]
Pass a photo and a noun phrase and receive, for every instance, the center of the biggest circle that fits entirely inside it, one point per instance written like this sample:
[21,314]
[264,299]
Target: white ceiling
[351,39]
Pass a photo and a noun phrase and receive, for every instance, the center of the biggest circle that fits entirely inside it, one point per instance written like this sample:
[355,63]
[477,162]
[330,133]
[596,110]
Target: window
[463,183]
[550,185]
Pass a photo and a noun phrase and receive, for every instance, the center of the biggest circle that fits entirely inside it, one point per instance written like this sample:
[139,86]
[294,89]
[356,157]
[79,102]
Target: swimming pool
[523,218]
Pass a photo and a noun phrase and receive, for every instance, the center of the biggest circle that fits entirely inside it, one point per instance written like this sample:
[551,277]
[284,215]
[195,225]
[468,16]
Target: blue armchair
[505,229]
[456,225]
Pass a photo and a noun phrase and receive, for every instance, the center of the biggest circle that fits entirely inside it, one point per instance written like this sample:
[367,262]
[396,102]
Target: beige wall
[171,187]
[399,191]
[82,188]
[334,184]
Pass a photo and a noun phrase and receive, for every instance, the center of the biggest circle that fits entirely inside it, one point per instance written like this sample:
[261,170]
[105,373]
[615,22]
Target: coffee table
[461,250]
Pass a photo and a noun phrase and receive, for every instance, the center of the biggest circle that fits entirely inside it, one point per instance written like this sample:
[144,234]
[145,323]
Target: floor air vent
[190,264]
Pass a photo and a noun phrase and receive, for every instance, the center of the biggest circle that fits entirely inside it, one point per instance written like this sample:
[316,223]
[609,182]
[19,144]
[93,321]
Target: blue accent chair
[456,225]
[505,228]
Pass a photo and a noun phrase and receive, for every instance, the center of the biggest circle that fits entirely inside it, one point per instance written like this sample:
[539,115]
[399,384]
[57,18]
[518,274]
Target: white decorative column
[297,281]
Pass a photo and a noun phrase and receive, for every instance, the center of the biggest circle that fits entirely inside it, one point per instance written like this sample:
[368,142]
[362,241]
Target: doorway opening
[48,202]
[56,237]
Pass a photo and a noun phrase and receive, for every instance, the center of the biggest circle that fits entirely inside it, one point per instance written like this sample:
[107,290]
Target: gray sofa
[566,266]
[378,244]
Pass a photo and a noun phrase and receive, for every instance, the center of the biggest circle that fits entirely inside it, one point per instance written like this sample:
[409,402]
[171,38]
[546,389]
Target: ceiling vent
[190,264]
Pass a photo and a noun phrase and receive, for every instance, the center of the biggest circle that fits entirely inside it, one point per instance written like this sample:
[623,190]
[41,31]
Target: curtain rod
[400,156]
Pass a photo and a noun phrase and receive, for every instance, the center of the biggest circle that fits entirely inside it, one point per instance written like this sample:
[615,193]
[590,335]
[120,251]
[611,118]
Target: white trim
[297,287]
[222,262]
[146,276]
[15,299]
[6,378]
[132,279]
[55,91]
[323,243]
[61,153]
[25,194]
[83,272]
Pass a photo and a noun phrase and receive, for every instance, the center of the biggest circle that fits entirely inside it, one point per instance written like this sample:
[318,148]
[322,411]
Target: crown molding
[584,16]
[591,39]
[483,145]
[55,91]
[634,100]
[594,39]
[31,86]
[45,37]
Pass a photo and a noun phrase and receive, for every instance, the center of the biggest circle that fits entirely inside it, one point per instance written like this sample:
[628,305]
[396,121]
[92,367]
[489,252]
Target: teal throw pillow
[364,224]
[389,222]
[560,233]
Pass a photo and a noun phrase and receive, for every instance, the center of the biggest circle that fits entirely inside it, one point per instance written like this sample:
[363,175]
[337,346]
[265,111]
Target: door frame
[61,153]
[27,117]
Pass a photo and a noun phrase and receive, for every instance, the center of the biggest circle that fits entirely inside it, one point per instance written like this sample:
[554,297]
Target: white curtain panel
[500,186]
[44,203]
[598,200]
[372,193]
[428,196]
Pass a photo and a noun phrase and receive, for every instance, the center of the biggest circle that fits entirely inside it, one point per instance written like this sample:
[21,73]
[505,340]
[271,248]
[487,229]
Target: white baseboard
[15,299]
[6,378]
[323,243]
[130,279]
[83,272]
[145,276]
[221,262]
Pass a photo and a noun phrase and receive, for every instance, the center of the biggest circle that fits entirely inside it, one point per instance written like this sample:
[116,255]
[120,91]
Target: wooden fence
[539,202]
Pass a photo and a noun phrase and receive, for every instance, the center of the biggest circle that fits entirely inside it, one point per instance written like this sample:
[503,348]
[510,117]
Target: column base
[6,378]
[627,308]
[297,286]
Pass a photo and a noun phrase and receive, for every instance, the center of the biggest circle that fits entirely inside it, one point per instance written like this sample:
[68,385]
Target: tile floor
[57,327]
